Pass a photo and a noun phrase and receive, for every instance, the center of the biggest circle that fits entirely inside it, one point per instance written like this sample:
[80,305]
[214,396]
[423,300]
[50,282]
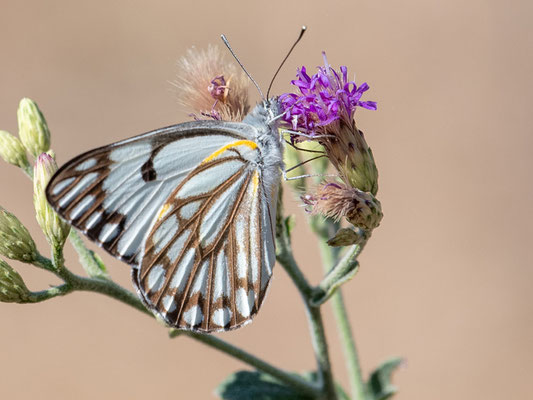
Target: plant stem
[286,259]
[61,290]
[290,379]
[357,385]
[106,287]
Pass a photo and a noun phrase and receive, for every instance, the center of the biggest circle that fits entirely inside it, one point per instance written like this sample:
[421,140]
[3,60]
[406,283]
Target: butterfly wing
[208,259]
[113,193]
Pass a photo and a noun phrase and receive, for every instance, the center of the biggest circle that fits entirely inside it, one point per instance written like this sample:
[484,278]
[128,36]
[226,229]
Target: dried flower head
[210,85]
[12,287]
[55,229]
[338,201]
[15,240]
[324,111]
[33,130]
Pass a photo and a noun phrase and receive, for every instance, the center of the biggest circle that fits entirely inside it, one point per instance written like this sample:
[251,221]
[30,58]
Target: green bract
[12,287]
[15,240]
[12,150]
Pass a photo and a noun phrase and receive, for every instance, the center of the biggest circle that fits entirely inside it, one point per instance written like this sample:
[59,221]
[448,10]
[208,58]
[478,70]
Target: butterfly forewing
[209,256]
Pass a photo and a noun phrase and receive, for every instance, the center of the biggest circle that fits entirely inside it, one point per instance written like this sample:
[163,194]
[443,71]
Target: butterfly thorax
[263,119]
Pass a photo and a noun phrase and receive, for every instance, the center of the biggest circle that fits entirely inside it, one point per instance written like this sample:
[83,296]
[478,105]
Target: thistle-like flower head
[325,100]
[336,201]
[324,110]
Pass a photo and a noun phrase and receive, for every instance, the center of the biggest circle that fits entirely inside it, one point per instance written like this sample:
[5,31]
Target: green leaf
[379,384]
[290,223]
[100,263]
[245,385]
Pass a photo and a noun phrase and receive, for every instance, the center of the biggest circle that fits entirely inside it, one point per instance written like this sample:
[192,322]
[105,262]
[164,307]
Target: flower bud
[33,130]
[347,237]
[12,150]
[12,287]
[55,229]
[336,201]
[15,240]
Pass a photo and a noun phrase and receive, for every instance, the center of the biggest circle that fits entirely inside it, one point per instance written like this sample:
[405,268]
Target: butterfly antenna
[225,40]
[304,28]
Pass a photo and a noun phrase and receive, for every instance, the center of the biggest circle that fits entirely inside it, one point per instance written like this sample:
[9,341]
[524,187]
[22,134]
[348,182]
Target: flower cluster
[325,97]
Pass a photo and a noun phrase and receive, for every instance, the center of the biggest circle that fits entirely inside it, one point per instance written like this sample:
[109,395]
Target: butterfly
[191,207]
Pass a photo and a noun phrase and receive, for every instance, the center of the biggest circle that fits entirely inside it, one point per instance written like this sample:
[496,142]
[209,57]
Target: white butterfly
[191,207]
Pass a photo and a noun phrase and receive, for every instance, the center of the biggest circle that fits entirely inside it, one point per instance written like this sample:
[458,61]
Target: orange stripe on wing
[218,152]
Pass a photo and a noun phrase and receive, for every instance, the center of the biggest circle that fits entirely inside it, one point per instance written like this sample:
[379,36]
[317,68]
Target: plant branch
[61,290]
[285,257]
[109,288]
[357,385]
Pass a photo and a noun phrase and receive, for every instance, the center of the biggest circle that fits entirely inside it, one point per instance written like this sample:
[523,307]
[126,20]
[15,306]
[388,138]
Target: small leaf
[345,237]
[341,273]
[379,384]
[100,263]
[290,223]
[244,385]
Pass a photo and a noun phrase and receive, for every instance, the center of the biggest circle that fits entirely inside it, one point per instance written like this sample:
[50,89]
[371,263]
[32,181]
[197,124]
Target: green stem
[106,287]
[61,290]
[357,385]
[87,258]
[292,380]
[318,336]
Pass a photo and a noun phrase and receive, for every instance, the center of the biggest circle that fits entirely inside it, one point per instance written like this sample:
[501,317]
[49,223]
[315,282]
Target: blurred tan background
[446,279]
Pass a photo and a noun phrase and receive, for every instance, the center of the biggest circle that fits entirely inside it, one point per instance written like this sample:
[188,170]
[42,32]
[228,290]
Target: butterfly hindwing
[209,256]
[113,193]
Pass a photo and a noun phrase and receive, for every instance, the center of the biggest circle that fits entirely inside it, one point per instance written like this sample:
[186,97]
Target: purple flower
[323,111]
[324,98]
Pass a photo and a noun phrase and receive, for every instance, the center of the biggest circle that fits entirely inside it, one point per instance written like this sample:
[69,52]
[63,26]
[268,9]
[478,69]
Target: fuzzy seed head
[207,83]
